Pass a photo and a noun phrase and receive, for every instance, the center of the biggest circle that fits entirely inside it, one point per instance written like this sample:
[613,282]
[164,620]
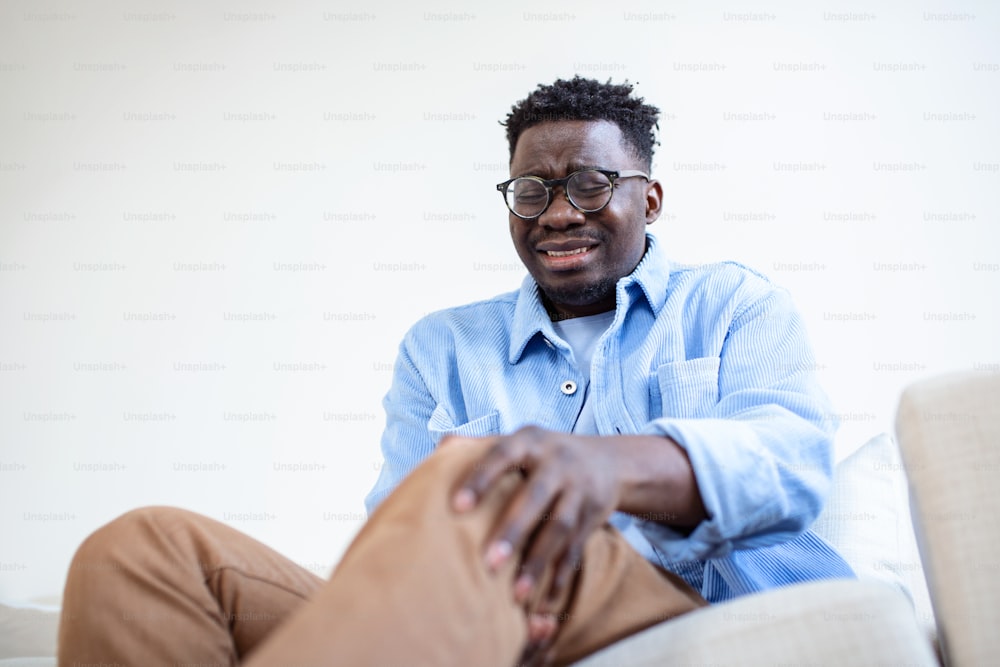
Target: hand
[570,488]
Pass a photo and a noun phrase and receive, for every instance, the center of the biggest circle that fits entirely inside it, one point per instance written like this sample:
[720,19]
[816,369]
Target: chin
[580,296]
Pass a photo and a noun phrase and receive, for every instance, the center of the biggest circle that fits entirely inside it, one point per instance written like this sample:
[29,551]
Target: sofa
[919,523]
[937,603]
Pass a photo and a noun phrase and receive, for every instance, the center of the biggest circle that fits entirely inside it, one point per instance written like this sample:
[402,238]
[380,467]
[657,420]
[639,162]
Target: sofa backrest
[948,429]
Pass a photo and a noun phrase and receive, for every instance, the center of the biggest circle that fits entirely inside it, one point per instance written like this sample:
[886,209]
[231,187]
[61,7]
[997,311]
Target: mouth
[566,255]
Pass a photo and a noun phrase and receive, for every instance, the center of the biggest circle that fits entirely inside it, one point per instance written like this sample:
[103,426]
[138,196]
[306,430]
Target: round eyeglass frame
[550,183]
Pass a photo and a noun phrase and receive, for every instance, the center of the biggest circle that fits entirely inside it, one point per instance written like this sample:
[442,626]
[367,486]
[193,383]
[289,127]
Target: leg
[166,587]
[413,590]
[161,587]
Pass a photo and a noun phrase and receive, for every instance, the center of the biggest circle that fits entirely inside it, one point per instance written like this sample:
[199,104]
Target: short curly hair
[588,99]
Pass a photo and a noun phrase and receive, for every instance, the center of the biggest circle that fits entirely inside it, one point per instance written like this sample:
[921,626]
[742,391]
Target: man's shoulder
[726,291]
[474,315]
[723,277]
[501,303]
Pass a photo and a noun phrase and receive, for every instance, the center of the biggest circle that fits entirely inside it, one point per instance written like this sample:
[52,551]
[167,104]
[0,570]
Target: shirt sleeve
[762,455]
[406,440]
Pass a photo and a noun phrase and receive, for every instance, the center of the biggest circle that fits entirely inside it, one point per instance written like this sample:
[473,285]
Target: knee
[112,547]
[453,463]
[454,457]
[437,474]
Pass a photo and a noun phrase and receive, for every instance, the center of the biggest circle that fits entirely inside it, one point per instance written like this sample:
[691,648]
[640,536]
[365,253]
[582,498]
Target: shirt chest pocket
[685,389]
[440,424]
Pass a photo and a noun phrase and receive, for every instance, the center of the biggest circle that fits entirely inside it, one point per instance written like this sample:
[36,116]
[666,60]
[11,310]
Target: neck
[561,312]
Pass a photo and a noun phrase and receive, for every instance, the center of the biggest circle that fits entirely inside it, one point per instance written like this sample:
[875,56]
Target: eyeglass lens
[587,190]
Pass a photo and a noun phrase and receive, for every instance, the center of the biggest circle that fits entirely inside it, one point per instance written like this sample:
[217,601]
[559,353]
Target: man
[610,446]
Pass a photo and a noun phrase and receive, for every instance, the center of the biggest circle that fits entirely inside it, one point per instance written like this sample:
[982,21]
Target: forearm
[762,481]
[656,480]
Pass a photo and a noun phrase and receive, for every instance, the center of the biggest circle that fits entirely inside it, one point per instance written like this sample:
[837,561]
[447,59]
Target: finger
[567,570]
[548,544]
[541,630]
[483,474]
[521,517]
[541,627]
[565,574]
[509,454]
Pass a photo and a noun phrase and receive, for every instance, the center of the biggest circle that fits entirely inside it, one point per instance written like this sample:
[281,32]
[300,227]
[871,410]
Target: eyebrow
[573,167]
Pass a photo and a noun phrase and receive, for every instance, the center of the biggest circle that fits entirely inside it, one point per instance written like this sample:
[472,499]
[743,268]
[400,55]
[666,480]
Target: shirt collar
[531,319]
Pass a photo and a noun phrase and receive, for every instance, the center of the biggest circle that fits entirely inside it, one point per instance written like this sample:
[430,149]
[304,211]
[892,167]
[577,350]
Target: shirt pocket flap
[440,424]
[689,389]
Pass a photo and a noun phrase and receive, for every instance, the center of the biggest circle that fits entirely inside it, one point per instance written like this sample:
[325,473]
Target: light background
[217,219]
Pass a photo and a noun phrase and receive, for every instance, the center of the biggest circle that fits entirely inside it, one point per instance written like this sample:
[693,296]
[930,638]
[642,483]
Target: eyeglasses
[588,190]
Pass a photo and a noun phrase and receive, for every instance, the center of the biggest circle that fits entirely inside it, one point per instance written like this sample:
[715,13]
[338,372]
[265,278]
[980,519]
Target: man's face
[611,241]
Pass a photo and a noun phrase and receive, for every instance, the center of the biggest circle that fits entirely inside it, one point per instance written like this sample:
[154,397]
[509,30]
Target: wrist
[655,481]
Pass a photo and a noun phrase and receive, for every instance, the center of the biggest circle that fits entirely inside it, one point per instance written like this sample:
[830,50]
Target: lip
[564,246]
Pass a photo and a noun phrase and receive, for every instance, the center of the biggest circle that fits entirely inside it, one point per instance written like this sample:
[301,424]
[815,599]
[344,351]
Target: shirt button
[568,387]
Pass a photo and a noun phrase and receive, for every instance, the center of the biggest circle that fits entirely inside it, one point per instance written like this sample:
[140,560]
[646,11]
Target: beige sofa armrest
[949,435]
[835,622]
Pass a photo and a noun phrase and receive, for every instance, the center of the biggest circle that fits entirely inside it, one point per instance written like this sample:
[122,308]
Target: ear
[654,201]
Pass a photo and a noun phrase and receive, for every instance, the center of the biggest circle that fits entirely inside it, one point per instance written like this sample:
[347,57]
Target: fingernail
[522,587]
[464,500]
[536,632]
[498,552]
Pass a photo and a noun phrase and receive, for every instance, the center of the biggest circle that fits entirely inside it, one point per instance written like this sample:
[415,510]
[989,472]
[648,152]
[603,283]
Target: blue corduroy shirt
[713,356]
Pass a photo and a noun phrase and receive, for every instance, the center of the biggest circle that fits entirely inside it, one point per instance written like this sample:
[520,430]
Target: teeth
[566,253]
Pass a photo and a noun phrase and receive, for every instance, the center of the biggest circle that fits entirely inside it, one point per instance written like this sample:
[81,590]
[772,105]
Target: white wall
[218,218]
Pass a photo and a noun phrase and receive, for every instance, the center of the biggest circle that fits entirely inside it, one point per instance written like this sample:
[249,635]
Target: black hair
[588,99]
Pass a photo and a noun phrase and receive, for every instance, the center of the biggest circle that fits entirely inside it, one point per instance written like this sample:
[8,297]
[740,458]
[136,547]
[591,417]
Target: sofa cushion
[836,622]
[867,519]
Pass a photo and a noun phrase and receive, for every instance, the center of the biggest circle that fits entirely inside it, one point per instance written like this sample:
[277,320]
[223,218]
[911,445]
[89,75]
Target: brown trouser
[162,587]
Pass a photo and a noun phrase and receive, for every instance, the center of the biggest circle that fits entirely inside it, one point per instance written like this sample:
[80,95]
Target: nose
[560,214]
